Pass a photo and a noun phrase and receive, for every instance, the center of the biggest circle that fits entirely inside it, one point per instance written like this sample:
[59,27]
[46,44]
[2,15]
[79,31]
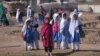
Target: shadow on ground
[71,52]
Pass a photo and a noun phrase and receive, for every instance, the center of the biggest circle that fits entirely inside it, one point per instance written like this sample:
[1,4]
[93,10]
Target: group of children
[55,33]
[29,13]
[19,15]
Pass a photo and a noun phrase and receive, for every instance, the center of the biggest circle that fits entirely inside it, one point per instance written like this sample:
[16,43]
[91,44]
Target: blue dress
[65,33]
[75,38]
[35,34]
[56,37]
[41,17]
[28,35]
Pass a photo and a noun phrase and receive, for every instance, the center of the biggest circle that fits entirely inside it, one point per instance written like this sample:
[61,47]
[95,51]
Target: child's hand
[23,37]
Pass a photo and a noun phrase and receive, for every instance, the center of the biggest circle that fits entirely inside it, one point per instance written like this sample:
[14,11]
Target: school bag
[81,31]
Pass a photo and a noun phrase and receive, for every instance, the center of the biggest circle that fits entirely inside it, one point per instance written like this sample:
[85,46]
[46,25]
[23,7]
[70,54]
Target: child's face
[46,21]
[75,17]
[28,23]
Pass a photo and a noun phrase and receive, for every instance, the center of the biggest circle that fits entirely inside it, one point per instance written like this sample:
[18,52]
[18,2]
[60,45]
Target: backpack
[81,31]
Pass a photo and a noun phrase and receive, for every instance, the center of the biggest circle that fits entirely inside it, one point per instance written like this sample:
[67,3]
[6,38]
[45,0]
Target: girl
[64,25]
[29,12]
[19,17]
[55,29]
[35,33]
[27,35]
[46,34]
[74,31]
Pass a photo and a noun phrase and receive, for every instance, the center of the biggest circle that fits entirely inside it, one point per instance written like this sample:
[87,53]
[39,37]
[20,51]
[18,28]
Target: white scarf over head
[76,12]
[54,17]
[17,14]
[24,27]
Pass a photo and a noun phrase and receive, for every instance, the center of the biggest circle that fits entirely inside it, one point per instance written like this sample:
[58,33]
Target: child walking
[35,33]
[55,29]
[19,17]
[46,34]
[27,35]
[64,26]
[74,31]
[29,12]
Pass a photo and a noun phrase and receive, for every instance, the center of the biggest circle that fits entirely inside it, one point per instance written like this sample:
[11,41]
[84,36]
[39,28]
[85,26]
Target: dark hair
[28,22]
[75,16]
[60,14]
[64,15]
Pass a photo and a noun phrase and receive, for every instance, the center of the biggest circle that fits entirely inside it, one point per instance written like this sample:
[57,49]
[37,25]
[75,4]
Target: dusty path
[11,44]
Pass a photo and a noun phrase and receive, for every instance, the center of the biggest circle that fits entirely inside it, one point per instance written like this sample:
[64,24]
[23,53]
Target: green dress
[3,19]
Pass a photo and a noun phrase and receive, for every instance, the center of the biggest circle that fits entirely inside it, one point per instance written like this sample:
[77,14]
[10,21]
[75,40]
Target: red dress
[46,34]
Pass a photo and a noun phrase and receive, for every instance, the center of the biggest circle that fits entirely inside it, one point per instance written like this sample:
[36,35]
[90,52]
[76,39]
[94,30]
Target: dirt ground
[12,44]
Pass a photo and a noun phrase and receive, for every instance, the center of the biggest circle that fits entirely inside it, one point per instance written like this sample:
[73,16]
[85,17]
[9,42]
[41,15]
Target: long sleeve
[43,30]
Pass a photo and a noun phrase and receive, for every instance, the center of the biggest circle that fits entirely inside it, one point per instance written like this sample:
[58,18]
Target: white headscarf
[76,12]
[17,14]
[54,17]
[29,11]
[24,27]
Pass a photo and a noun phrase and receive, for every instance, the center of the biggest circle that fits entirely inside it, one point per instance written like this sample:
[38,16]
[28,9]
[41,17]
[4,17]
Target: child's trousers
[35,44]
[75,46]
[28,46]
[64,42]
